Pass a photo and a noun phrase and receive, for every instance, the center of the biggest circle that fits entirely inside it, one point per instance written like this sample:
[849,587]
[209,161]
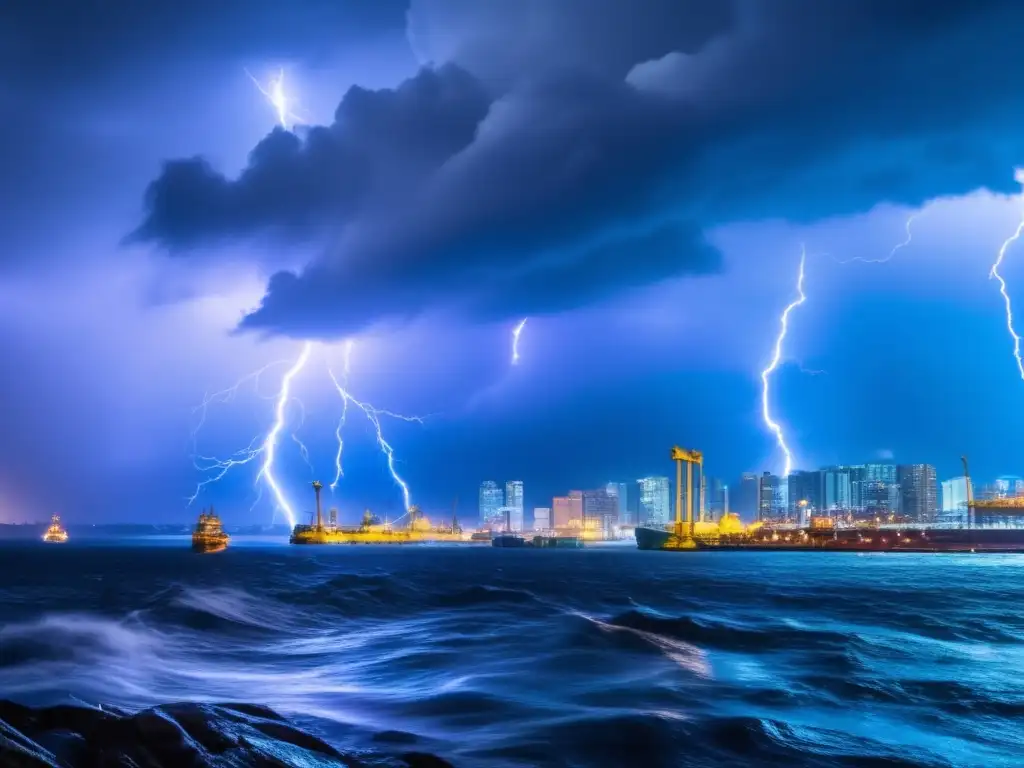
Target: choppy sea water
[490,657]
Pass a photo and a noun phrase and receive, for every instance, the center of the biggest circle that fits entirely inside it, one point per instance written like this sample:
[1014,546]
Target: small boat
[209,534]
[55,534]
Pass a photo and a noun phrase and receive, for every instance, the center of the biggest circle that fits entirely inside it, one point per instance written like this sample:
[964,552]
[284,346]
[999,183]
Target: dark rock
[424,760]
[171,736]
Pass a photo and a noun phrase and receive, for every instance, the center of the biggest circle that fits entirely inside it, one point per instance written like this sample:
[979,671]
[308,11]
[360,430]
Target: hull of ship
[207,545]
[509,542]
[399,537]
[916,540]
[558,542]
[55,540]
[651,538]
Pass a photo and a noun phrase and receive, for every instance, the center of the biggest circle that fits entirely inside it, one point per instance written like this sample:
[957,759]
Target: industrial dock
[415,529]
[991,525]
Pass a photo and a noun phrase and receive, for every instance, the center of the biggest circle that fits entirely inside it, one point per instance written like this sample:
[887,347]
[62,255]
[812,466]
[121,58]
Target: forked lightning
[994,273]
[766,414]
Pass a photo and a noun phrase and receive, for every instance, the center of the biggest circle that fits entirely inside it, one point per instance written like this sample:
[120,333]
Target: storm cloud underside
[483,173]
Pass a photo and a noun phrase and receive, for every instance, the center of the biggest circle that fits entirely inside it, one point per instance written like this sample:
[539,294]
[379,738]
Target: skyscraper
[491,502]
[541,518]
[835,490]
[621,494]
[880,491]
[600,509]
[804,493]
[918,491]
[773,497]
[715,498]
[655,505]
[514,501]
[744,500]
[567,511]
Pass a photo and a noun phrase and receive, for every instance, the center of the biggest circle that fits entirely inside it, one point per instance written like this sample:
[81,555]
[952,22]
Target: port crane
[689,457]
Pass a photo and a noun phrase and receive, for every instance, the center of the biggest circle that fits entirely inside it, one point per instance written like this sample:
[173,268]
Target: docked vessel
[55,533]
[416,529]
[987,528]
[510,541]
[209,535]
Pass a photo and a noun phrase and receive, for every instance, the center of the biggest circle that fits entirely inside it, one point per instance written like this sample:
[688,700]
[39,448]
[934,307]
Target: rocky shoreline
[184,735]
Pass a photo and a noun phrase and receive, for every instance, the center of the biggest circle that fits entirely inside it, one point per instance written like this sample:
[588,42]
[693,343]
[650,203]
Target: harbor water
[604,656]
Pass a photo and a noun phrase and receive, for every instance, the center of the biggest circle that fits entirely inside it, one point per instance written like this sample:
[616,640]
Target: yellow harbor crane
[684,536]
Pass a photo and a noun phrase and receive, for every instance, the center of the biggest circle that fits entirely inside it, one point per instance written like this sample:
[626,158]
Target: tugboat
[55,534]
[209,535]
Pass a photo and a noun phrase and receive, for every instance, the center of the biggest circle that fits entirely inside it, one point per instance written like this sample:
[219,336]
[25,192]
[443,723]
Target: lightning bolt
[994,273]
[516,332]
[225,396]
[773,425]
[373,414]
[303,451]
[338,471]
[278,98]
[900,245]
[267,448]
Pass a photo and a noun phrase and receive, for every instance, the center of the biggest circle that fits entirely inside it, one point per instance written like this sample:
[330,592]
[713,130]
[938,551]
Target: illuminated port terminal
[824,532]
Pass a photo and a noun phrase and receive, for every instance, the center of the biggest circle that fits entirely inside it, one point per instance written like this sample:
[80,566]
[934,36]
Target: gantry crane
[689,457]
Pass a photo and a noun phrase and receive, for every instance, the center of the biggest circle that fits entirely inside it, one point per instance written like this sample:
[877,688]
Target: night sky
[636,177]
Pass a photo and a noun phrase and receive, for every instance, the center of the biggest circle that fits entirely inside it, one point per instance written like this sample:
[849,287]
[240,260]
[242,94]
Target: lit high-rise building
[773,497]
[715,498]
[874,489]
[835,490]
[918,492]
[541,518]
[745,499]
[509,519]
[567,511]
[655,501]
[803,494]
[491,502]
[514,494]
[621,493]
[600,509]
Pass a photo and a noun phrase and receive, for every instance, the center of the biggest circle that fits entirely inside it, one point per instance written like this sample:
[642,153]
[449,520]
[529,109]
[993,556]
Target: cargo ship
[854,539]
[416,529]
[55,533]
[209,535]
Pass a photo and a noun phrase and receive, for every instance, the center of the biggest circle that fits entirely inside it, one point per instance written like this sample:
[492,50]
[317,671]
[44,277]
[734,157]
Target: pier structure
[684,530]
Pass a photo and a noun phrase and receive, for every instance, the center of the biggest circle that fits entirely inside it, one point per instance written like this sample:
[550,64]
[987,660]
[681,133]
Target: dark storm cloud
[54,43]
[523,163]
[379,139]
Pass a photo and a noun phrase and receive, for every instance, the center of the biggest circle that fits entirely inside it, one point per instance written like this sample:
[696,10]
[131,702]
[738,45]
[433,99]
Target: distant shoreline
[16,531]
